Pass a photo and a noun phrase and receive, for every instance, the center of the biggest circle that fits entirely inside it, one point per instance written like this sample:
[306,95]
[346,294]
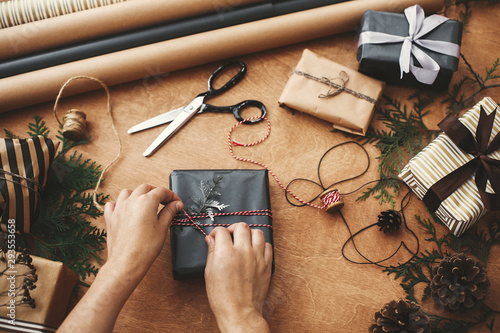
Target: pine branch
[38,127]
[10,135]
[457,101]
[205,203]
[62,229]
[466,13]
[406,135]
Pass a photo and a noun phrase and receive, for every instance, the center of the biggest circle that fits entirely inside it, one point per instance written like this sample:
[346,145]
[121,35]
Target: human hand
[135,231]
[237,277]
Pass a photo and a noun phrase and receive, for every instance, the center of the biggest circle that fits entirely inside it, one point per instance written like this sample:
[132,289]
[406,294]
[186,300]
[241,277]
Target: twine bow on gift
[419,26]
[335,88]
[485,167]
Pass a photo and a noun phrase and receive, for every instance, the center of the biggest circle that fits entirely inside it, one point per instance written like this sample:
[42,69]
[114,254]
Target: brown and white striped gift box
[24,165]
[465,205]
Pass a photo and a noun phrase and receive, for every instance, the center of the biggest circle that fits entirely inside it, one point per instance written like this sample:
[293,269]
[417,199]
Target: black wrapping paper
[381,61]
[242,190]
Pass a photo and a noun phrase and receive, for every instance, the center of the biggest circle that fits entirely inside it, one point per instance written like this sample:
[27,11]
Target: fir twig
[457,100]
[404,136]
[62,231]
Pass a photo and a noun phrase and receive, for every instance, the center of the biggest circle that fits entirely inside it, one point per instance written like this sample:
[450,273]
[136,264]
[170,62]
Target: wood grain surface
[314,289]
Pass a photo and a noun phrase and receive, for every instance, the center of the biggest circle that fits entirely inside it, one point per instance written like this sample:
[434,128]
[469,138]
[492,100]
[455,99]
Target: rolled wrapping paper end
[147,61]
[332,200]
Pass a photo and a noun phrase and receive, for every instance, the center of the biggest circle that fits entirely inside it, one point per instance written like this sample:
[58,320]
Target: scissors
[179,117]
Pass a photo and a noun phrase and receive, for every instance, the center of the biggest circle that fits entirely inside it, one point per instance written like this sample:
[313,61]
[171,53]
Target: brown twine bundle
[74,127]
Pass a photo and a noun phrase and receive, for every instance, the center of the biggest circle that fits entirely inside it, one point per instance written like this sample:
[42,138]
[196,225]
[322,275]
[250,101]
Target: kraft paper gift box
[332,92]
[458,174]
[54,284]
[238,191]
[24,164]
[423,54]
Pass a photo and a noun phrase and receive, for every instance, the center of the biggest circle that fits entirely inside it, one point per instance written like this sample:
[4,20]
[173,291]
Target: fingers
[268,254]
[168,212]
[258,240]
[143,189]
[211,247]
[222,237]
[124,194]
[242,235]
[109,208]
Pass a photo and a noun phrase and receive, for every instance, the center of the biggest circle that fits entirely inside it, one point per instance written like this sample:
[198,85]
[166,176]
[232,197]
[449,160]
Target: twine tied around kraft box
[215,198]
[409,49]
[332,92]
[458,174]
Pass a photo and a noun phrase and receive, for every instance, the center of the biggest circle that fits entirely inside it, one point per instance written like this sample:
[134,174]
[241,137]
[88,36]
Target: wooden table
[313,288]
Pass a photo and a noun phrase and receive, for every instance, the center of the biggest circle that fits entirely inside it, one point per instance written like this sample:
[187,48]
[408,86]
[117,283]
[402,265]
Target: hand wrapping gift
[458,174]
[215,198]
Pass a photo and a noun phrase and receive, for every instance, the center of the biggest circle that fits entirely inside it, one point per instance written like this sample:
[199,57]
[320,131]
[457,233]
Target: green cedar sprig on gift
[419,270]
[62,230]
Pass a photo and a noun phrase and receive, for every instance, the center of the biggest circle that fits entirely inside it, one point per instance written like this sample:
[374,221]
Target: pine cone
[459,282]
[400,317]
[389,221]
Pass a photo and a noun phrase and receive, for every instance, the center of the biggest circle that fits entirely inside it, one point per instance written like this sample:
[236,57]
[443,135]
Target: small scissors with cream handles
[179,117]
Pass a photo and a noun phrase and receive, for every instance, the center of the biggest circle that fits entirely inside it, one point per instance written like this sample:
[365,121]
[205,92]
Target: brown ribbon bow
[486,168]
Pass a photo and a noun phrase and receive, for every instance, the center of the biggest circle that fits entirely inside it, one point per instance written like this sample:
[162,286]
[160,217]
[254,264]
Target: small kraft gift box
[36,292]
[409,49]
[332,92]
[215,198]
[458,174]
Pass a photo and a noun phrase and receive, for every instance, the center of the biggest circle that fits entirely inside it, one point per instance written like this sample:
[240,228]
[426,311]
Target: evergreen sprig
[418,270]
[206,202]
[466,12]
[62,229]
[457,100]
[404,135]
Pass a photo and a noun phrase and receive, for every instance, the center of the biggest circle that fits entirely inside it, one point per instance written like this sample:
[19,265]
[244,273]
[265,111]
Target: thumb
[168,212]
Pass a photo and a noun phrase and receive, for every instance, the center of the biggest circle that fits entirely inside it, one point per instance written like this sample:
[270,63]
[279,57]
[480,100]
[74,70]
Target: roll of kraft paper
[132,64]
[156,34]
[91,24]
[16,12]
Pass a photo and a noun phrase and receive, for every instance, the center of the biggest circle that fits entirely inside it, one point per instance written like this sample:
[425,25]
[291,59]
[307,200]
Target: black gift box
[241,190]
[381,61]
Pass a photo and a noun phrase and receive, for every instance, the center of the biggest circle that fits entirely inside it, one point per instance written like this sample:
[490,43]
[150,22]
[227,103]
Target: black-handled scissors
[179,117]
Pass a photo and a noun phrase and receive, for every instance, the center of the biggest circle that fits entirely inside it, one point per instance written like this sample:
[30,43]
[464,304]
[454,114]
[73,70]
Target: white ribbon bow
[419,26]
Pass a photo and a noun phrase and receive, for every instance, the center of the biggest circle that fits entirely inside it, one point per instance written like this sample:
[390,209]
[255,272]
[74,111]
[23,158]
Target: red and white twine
[330,197]
[189,219]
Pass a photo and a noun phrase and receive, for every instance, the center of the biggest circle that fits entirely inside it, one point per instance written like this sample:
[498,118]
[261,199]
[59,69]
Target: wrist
[121,276]
[242,321]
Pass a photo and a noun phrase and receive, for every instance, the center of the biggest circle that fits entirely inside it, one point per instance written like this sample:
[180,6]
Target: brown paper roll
[124,66]
[17,12]
[104,21]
